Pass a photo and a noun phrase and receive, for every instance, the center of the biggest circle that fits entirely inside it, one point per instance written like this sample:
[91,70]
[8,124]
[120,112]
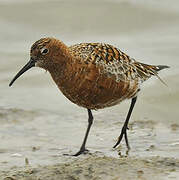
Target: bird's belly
[98,93]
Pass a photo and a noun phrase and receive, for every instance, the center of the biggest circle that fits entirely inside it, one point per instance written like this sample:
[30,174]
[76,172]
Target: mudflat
[38,124]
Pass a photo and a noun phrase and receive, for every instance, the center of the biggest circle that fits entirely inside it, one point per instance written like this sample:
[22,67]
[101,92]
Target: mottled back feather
[114,62]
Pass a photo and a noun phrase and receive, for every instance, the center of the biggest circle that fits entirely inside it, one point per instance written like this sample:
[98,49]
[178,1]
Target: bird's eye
[44,51]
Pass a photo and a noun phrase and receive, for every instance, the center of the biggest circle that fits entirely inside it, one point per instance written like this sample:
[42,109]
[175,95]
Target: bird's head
[45,53]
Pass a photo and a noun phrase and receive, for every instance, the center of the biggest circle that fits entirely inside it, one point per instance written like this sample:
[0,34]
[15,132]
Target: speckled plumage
[113,61]
[91,75]
[97,75]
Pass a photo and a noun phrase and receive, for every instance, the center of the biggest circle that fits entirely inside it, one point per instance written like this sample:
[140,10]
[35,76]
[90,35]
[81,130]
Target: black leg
[124,128]
[90,122]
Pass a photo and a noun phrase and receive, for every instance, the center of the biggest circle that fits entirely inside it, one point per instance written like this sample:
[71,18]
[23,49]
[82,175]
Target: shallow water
[38,123]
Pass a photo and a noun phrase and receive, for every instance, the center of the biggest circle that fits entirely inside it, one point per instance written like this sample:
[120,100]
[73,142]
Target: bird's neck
[61,61]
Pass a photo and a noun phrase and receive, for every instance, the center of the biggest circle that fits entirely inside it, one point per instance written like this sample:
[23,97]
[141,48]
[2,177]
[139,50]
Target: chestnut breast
[86,83]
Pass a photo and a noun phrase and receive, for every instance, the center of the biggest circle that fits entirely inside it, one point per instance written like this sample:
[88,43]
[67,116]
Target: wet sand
[101,167]
[38,125]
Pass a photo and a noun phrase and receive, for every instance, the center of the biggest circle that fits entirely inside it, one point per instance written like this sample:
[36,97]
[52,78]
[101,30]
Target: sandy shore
[154,142]
[96,167]
[38,124]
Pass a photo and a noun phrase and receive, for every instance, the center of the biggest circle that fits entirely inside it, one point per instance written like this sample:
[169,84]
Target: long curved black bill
[29,65]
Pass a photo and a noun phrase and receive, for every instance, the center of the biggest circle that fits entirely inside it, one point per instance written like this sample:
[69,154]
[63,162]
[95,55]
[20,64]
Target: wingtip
[166,66]
[160,67]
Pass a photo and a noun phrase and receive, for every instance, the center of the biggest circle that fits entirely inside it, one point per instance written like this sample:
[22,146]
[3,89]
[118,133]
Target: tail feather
[150,70]
[154,68]
[160,67]
[157,68]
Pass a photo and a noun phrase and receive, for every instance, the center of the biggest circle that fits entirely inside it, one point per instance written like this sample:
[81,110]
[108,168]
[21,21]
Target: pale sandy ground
[38,125]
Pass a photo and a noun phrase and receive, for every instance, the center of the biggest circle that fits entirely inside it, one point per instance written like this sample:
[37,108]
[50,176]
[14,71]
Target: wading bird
[91,75]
